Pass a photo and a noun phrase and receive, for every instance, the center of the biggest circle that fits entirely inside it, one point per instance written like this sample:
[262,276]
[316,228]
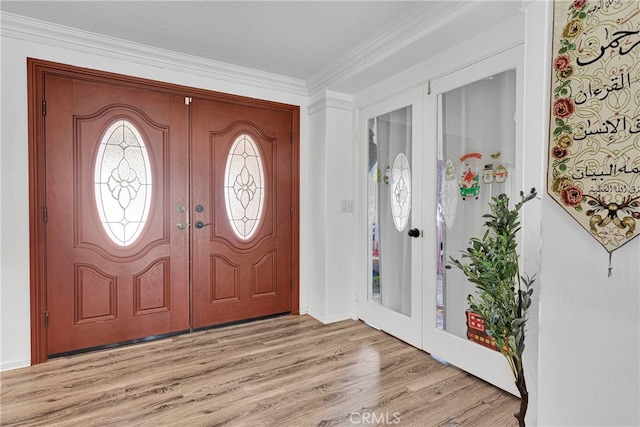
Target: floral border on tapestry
[594,135]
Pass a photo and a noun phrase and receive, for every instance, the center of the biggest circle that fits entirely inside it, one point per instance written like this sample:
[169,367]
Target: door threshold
[162,336]
[117,344]
[240,322]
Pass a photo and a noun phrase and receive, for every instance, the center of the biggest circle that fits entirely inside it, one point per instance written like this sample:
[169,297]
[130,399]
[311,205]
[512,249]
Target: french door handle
[200,224]
[414,232]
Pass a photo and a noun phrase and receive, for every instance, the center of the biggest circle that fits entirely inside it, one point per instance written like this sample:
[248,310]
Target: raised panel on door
[242,187]
[116,171]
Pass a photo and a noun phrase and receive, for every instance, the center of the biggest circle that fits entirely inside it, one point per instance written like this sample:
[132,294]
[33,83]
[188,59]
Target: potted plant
[503,294]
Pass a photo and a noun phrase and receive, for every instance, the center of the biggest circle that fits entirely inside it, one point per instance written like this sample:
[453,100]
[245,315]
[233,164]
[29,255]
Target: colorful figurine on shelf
[470,178]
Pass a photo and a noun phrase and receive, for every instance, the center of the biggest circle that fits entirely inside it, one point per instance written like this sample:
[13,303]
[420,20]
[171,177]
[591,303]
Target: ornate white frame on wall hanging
[594,137]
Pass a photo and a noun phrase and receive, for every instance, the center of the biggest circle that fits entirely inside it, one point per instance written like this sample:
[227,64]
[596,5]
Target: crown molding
[330,100]
[416,25]
[36,31]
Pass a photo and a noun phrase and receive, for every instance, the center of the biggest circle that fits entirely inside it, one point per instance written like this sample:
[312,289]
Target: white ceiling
[315,41]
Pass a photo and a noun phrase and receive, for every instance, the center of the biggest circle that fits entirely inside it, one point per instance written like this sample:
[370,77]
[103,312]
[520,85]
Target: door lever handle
[414,232]
[200,224]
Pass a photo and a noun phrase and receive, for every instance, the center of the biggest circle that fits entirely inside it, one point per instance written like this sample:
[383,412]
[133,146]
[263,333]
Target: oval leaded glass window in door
[244,187]
[400,191]
[122,182]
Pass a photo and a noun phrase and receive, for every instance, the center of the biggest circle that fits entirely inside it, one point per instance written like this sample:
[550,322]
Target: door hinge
[291,285]
[291,211]
[46,319]
[291,137]
[45,214]
[44,108]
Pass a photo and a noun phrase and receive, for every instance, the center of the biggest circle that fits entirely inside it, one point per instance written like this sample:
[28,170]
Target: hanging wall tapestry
[594,138]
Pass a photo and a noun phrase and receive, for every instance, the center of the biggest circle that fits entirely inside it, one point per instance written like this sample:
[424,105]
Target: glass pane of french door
[390,209]
[476,145]
[392,298]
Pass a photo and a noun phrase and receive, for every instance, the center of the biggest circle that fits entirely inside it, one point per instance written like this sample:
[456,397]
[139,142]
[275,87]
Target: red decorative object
[477,332]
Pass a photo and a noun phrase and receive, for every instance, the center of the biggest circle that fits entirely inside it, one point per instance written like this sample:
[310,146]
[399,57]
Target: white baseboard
[328,319]
[7,366]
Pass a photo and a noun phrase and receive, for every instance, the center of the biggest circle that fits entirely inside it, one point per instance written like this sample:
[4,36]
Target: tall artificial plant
[503,295]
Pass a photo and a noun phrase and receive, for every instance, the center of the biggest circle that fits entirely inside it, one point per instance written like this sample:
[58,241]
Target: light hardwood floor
[285,371]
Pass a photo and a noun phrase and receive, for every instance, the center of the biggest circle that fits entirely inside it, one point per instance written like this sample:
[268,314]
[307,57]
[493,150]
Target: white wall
[14,181]
[589,328]
[331,274]
[589,324]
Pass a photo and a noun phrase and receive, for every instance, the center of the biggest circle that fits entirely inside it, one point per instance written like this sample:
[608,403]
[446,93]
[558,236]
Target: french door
[390,297]
[434,159]
[156,213]
[474,155]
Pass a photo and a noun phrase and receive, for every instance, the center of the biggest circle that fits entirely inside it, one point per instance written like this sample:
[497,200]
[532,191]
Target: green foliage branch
[503,295]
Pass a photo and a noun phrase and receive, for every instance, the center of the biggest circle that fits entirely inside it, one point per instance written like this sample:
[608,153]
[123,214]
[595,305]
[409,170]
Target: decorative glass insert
[400,191]
[122,182]
[244,187]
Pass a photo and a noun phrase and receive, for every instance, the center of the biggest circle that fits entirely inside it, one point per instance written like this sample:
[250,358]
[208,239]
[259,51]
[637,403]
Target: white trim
[330,319]
[394,37]
[489,43]
[15,365]
[334,100]
[33,30]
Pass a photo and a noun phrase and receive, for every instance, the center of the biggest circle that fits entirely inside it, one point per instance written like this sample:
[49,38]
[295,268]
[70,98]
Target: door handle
[200,224]
[181,225]
[414,232]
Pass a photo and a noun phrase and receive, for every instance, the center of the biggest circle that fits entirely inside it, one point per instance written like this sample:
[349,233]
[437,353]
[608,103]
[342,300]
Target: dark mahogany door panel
[117,266]
[242,180]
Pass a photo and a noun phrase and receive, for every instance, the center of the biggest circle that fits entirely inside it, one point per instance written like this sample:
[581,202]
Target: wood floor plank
[286,371]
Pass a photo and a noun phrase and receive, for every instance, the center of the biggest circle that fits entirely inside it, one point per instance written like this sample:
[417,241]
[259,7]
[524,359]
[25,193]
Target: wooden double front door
[160,212]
